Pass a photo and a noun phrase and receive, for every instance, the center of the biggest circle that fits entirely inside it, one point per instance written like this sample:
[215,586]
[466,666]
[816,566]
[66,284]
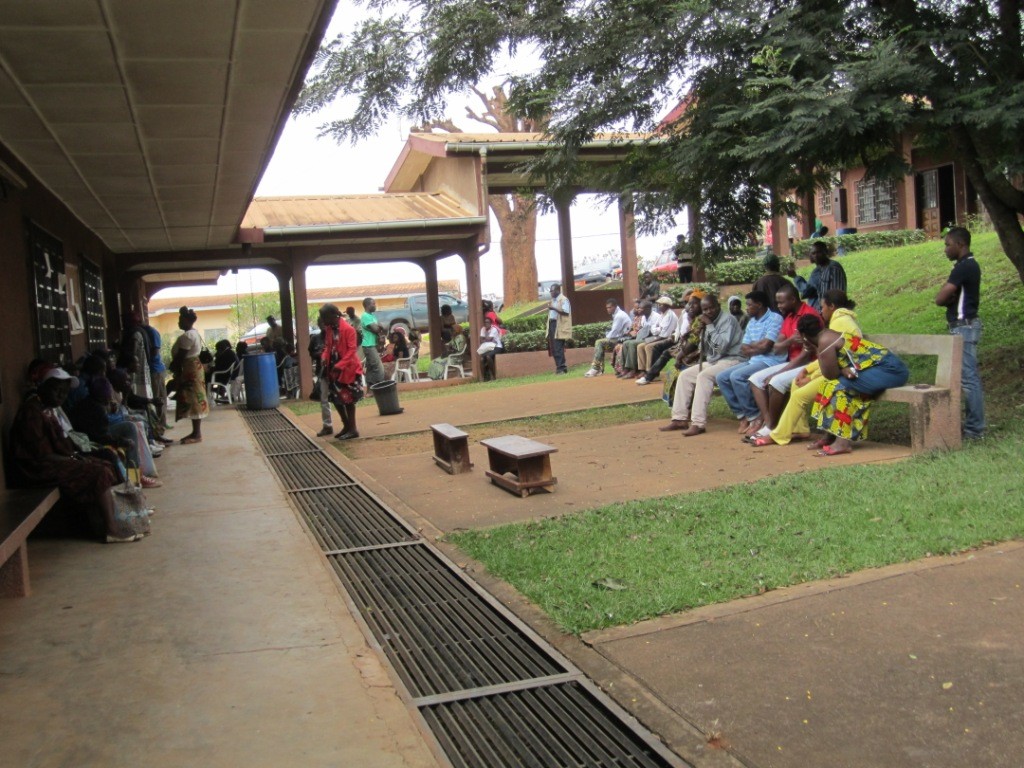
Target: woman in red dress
[343,368]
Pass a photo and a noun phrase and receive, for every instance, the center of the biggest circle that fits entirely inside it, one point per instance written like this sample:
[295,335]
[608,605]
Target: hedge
[739,272]
[525,323]
[863,241]
[535,341]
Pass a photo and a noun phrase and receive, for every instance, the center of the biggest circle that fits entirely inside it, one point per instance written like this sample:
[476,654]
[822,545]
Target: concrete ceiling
[153,120]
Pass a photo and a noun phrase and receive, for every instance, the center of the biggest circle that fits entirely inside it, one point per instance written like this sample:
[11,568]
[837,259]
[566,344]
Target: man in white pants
[720,344]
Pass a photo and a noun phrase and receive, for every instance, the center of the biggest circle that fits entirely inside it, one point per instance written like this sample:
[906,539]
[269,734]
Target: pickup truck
[414,313]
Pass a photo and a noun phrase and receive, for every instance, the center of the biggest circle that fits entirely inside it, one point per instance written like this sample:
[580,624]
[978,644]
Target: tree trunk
[517,218]
[1005,217]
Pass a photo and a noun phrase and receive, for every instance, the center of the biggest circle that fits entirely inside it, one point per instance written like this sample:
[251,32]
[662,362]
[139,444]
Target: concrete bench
[20,512]
[527,461]
[934,408]
[451,449]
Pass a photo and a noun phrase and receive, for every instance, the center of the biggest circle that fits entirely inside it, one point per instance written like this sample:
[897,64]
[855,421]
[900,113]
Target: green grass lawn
[628,562]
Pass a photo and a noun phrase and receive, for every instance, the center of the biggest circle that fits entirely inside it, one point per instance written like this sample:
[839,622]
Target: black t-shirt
[966,276]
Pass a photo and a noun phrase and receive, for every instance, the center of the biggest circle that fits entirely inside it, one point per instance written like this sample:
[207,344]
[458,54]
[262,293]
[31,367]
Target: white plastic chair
[406,367]
[454,362]
[222,385]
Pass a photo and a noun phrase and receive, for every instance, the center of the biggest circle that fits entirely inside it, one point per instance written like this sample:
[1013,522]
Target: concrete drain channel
[491,692]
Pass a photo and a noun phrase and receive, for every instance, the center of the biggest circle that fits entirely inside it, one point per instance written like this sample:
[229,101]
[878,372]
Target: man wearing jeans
[960,297]
[758,344]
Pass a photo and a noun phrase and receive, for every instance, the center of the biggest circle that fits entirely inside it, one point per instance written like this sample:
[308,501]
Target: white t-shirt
[190,342]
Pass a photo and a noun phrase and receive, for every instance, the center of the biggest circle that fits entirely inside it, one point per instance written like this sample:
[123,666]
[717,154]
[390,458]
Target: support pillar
[562,203]
[475,300]
[302,326]
[433,309]
[285,295]
[627,246]
[908,192]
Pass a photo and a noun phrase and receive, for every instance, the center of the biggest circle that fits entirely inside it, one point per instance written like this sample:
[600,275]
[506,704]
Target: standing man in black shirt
[960,298]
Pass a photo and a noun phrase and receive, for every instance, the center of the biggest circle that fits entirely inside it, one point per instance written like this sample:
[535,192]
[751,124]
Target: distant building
[214,312]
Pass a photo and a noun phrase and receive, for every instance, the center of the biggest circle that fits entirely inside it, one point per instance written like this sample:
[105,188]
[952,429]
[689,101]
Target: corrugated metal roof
[348,293]
[267,212]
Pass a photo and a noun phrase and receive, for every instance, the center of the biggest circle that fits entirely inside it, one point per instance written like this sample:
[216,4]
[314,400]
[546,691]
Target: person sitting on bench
[42,455]
[855,371]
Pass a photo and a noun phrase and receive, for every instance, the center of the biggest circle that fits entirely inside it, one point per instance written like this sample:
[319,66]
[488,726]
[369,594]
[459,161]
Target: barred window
[877,202]
[95,319]
[825,201]
[53,331]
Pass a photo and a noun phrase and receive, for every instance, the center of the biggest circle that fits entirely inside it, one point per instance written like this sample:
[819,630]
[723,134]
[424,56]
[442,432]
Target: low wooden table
[527,460]
[20,513]
[451,449]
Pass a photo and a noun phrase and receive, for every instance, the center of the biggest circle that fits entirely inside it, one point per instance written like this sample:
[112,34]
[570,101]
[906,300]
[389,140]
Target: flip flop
[817,445]
[761,442]
[828,450]
[191,440]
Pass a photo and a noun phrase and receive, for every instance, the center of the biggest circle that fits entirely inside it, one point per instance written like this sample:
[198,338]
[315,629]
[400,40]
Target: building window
[49,284]
[92,293]
[876,201]
[931,189]
[825,202]
[215,334]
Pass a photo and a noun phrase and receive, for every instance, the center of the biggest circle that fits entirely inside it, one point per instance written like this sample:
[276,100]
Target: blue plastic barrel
[261,386]
[846,231]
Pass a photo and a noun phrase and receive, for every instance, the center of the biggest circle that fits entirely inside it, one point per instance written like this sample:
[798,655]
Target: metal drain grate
[267,421]
[308,470]
[349,517]
[557,725]
[281,442]
[440,634]
[492,693]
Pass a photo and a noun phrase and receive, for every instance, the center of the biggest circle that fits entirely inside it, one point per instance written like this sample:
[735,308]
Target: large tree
[516,213]
[779,94]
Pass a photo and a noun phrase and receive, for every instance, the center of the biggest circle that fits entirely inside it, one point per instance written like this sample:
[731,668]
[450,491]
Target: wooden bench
[451,449]
[20,512]
[528,461]
[934,408]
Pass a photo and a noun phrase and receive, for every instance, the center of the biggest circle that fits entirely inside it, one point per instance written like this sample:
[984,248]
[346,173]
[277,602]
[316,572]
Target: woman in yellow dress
[855,371]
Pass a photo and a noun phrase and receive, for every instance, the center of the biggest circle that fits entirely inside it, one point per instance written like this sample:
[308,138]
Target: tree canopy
[778,94]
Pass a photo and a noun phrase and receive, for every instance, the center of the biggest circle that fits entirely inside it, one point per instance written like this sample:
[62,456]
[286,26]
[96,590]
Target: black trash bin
[386,395]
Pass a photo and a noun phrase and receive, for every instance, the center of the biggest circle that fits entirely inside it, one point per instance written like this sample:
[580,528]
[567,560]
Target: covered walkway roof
[153,120]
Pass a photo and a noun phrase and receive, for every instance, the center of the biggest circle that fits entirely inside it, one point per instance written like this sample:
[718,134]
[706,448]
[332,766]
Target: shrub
[863,241]
[535,341]
[523,323]
[677,291]
[746,271]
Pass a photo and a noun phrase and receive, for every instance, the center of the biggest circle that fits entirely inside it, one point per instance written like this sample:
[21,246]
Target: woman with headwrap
[188,370]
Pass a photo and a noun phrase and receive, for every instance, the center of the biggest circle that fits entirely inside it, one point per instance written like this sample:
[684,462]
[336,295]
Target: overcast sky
[304,164]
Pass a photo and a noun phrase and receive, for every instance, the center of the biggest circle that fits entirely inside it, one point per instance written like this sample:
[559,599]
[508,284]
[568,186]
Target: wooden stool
[528,460]
[451,449]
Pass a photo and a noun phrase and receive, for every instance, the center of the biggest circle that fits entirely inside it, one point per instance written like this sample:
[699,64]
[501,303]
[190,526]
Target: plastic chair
[406,367]
[223,385]
[455,361]
[289,378]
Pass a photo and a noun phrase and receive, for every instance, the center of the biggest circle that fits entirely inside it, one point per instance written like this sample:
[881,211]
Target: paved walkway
[220,640]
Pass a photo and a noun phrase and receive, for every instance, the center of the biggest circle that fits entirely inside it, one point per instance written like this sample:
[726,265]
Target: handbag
[315,392]
[131,510]
[487,346]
